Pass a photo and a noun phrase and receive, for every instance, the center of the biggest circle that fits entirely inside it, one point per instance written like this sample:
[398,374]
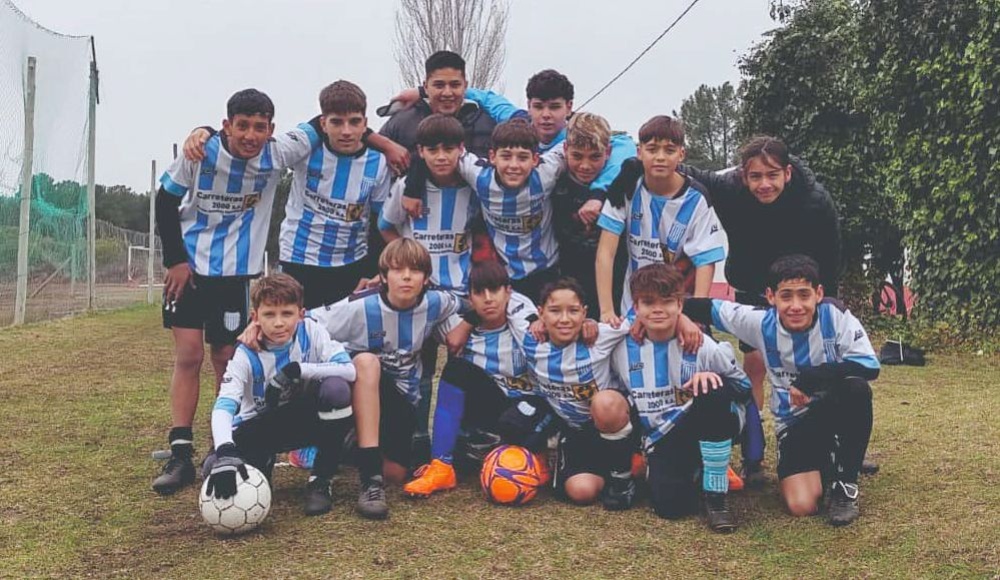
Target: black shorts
[806,446]
[397,422]
[579,451]
[532,284]
[218,305]
[750,299]
[327,285]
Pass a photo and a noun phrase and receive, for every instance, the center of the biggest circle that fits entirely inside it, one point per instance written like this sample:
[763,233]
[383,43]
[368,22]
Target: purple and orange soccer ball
[511,475]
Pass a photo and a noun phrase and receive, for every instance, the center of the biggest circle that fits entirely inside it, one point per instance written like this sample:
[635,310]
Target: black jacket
[803,220]
[402,127]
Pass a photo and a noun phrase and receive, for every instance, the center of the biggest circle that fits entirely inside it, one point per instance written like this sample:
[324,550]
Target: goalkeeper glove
[284,386]
[222,478]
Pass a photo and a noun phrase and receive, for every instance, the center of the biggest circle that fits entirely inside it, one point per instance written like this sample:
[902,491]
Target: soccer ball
[511,475]
[242,512]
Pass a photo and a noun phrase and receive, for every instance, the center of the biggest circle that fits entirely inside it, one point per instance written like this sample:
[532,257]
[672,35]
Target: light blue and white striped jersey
[499,351]
[227,201]
[836,336]
[655,372]
[442,229]
[519,221]
[241,395]
[569,376]
[332,195]
[367,323]
[659,226]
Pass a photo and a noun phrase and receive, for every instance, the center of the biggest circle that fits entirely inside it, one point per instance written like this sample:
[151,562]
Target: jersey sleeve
[608,338]
[496,106]
[551,167]
[292,147]
[521,312]
[740,320]
[328,358]
[622,148]
[854,344]
[471,167]
[234,382]
[340,322]
[704,243]
[393,215]
[178,179]
[612,219]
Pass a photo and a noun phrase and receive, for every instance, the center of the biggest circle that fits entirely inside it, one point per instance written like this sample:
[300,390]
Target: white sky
[170,65]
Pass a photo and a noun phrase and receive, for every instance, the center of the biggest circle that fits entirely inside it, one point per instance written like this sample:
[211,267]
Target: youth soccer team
[503,250]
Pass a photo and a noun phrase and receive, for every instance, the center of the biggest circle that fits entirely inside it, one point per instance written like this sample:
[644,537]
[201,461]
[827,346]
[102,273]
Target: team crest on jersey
[585,391]
[376,334]
[519,383]
[682,396]
[249,201]
[530,222]
[668,256]
[354,212]
[460,244]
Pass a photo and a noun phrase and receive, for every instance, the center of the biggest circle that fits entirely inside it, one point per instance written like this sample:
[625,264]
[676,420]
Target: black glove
[624,184]
[416,179]
[222,478]
[526,423]
[284,386]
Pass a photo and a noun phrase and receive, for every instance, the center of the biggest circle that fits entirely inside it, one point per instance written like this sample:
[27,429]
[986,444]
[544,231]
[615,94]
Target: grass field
[83,402]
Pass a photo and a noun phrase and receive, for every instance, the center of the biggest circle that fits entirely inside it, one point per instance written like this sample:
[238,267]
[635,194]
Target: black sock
[618,454]
[369,461]
[330,446]
[181,441]
[853,428]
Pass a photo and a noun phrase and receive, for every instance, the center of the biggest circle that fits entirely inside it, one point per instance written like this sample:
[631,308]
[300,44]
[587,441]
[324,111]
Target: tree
[472,28]
[710,116]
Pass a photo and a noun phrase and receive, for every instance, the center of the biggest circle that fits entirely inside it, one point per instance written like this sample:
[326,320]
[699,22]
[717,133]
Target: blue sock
[447,420]
[753,436]
[715,458]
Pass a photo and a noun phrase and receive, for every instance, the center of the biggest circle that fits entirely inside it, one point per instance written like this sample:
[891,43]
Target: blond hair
[588,131]
[404,253]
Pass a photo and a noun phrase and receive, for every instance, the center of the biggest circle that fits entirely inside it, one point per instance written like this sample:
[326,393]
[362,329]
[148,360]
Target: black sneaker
[178,472]
[318,500]
[844,507]
[753,475]
[371,501]
[720,518]
[619,492]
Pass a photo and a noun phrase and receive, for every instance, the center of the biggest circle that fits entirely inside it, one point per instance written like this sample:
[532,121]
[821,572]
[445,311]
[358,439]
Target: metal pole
[91,191]
[21,299]
[150,296]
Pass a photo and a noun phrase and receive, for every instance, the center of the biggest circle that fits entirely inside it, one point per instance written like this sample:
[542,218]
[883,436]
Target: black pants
[327,285]
[297,424]
[532,284]
[837,426]
[675,461]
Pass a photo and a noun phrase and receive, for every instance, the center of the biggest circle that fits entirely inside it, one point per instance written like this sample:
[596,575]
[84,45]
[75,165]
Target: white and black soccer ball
[242,512]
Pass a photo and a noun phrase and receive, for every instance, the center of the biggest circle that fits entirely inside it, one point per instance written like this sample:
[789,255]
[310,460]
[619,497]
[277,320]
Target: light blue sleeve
[622,148]
[496,106]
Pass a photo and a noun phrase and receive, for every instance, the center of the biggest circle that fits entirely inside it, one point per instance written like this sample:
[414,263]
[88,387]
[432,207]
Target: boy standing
[689,405]
[213,217]
[819,361]
[666,217]
[295,391]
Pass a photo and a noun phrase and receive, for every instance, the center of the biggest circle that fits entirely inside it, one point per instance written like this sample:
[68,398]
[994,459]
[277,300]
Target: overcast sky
[169,65]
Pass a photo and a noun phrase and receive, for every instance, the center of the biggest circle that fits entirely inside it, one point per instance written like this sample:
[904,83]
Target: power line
[641,54]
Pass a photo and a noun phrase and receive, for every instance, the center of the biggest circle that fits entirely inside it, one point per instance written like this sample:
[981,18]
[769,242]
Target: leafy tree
[710,116]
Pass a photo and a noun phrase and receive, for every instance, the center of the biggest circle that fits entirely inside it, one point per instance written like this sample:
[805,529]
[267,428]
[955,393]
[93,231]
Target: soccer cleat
[318,500]
[638,465]
[735,481]
[178,472]
[544,471]
[619,492]
[720,518]
[869,467]
[844,507]
[371,501]
[753,475]
[435,476]
[303,458]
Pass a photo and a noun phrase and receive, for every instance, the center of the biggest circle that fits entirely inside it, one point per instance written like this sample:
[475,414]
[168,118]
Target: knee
[857,389]
[189,356]
[460,373]
[583,490]
[368,367]
[334,394]
[802,504]
[610,411]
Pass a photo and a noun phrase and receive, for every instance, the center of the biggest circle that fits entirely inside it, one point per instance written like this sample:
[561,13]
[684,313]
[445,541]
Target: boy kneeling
[295,391]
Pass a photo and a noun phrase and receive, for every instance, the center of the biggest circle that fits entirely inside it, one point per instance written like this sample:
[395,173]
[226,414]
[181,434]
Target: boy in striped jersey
[819,361]
[487,385]
[449,205]
[595,440]
[690,405]
[394,322]
[666,218]
[213,216]
[295,390]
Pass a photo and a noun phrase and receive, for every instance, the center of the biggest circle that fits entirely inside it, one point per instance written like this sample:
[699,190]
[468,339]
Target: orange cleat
[435,476]
[544,473]
[735,481]
[638,465]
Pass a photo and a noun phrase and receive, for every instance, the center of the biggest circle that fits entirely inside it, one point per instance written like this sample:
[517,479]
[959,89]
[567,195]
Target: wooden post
[20,302]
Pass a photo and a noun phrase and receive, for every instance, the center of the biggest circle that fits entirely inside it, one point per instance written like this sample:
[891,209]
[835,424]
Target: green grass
[84,401]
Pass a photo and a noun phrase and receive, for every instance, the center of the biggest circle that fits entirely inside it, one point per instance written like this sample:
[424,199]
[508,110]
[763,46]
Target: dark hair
[515,133]
[549,84]
[342,98]
[249,102]
[444,59]
[793,267]
[771,149]
[662,127]
[276,290]
[564,283]
[488,275]
[656,280]
[438,129]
